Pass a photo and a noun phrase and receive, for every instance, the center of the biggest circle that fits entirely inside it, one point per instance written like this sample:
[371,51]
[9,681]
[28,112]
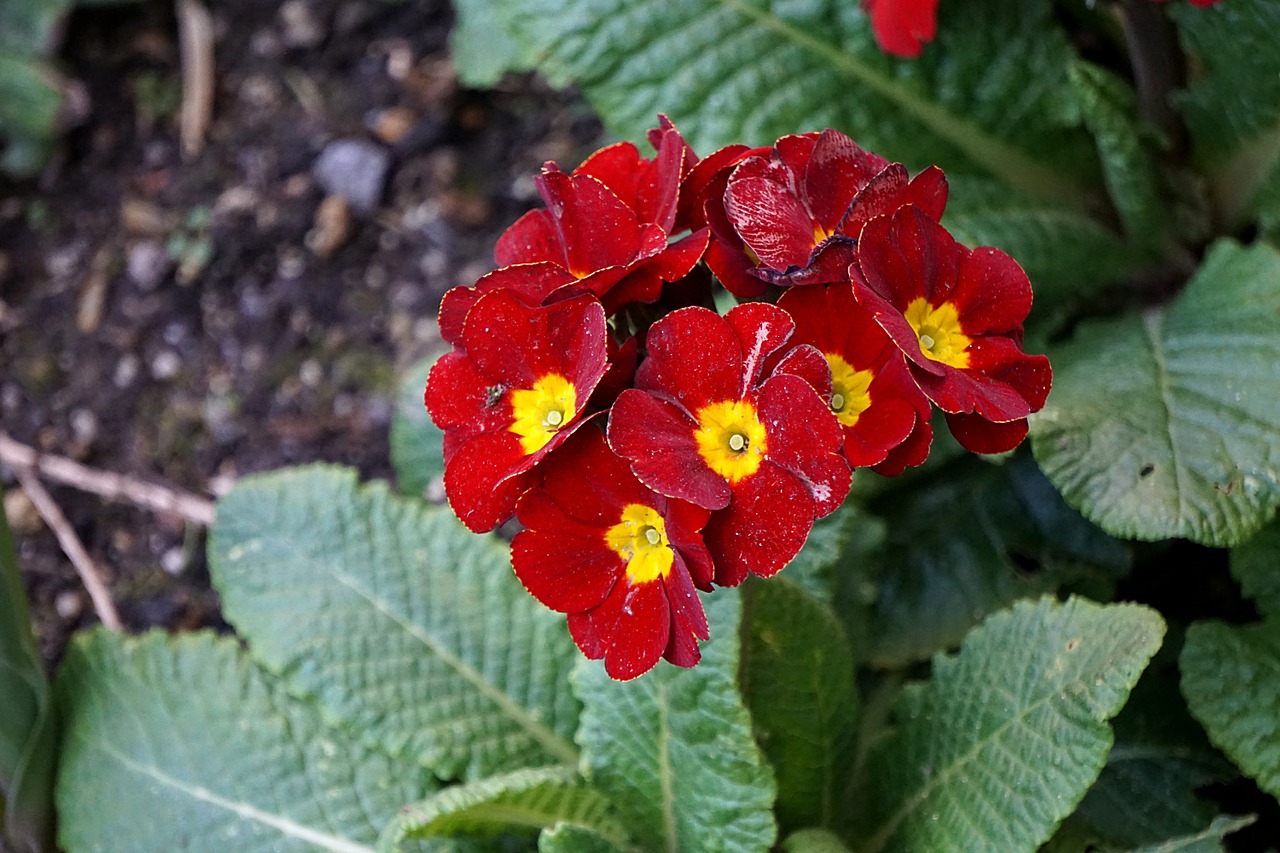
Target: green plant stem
[1158,67]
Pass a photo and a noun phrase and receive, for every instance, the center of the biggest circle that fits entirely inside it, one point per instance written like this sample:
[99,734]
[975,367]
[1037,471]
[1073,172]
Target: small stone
[173,561]
[391,124]
[23,516]
[84,426]
[165,365]
[301,27]
[148,264]
[311,373]
[355,169]
[69,604]
[332,227]
[126,370]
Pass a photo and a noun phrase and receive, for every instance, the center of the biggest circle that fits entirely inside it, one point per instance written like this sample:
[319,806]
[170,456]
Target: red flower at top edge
[619,558]
[514,389]
[872,393]
[607,225]
[798,210]
[903,27]
[957,316]
[702,426]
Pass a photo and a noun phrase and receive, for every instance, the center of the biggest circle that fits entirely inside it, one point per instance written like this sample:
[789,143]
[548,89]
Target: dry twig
[106,484]
[84,565]
[195,34]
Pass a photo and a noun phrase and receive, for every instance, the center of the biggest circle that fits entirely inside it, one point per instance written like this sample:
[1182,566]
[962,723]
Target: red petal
[762,203]
[517,345]
[902,27]
[694,359]
[459,396]
[704,184]
[484,478]
[564,564]
[982,436]
[597,229]
[658,440]
[911,452]
[684,531]
[993,294]
[837,171]
[619,167]
[761,329]
[688,619]
[805,361]
[533,283]
[592,484]
[805,438]
[763,528]
[928,191]
[533,238]
[630,629]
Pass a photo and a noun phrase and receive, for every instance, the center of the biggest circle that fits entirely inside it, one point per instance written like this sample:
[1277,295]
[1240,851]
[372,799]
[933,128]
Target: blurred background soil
[190,320]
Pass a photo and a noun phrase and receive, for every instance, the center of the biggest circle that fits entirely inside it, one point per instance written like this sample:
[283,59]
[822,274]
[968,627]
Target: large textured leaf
[28,727]
[673,749]
[751,71]
[417,445]
[398,620]
[969,541]
[797,677]
[524,801]
[1233,108]
[1164,425]
[184,744]
[1007,736]
[1074,839]
[572,838]
[1231,678]
[1256,565]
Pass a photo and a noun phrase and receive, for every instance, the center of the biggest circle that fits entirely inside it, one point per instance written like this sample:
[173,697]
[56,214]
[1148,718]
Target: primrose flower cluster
[649,446]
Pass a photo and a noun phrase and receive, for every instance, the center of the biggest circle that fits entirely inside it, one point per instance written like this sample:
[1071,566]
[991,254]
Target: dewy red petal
[903,27]
[514,388]
[616,557]
[763,529]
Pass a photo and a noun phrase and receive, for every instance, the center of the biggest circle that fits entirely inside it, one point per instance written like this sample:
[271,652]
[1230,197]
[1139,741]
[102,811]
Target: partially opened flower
[872,394]
[957,316]
[620,559]
[799,209]
[513,388]
[704,425]
[607,226]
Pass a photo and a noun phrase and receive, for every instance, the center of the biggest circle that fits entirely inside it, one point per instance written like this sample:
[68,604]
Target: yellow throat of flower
[543,410]
[938,329]
[850,390]
[640,539]
[731,439]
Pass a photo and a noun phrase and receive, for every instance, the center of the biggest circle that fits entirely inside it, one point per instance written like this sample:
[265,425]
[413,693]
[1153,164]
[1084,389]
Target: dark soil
[192,320]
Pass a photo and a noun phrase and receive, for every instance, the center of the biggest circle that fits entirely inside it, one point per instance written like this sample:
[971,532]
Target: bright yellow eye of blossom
[731,439]
[542,410]
[640,539]
[938,329]
[850,390]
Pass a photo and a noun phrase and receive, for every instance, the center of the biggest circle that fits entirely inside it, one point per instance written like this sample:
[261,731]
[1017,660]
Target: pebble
[69,604]
[166,364]
[332,227]
[23,516]
[148,264]
[355,169]
[173,561]
[126,370]
[301,28]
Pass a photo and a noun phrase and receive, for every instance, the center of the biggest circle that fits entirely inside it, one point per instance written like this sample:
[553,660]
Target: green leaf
[417,444]
[1229,676]
[1209,840]
[673,748]
[969,541]
[1164,425]
[28,722]
[1256,565]
[522,801]
[182,743]
[813,567]
[29,100]
[485,42]
[1128,164]
[571,838]
[797,679]
[1006,737]
[751,71]
[400,622]
[1233,107]
[813,841]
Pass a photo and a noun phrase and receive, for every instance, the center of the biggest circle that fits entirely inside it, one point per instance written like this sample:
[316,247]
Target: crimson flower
[620,559]
[872,393]
[956,314]
[607,225]
[513,389]
[903,27]
[799,208]
[703,425]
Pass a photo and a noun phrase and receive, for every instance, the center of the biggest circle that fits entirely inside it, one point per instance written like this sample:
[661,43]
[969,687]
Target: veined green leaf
[571,838]
[813,841]
[523,801]
[988,95]
[969,541]
[1256,565]
[182,743]
[673,748]
[28,721]
[1231,678]
[1164,425]
[1208,840]
[1006,737]
[797,678]
[399,621]
[417,444]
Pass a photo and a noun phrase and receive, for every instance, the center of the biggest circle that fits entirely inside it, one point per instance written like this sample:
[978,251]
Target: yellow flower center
[640,539]
[850,390]
[938,328]
[542,410]
[731,439]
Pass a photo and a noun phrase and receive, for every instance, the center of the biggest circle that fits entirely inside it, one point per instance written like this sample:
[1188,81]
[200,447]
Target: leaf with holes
[1005,738]
[1164,425]
[673,749]
[398,620]
[182,743]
